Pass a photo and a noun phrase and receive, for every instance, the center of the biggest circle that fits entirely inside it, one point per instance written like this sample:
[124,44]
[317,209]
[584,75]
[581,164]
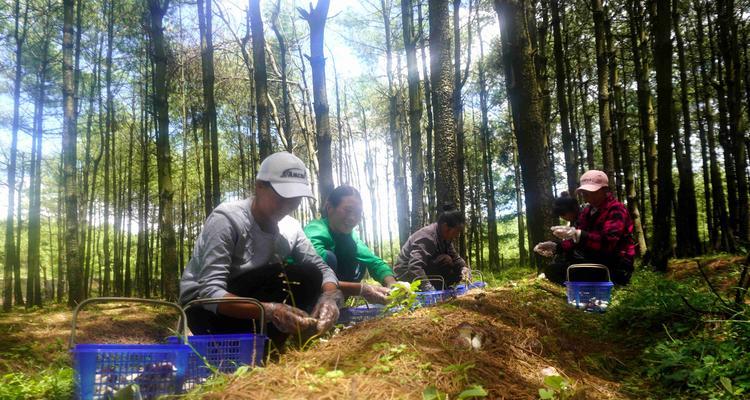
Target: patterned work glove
[374,294]
[286,318]
[546,249]
[327,309]
[466,274]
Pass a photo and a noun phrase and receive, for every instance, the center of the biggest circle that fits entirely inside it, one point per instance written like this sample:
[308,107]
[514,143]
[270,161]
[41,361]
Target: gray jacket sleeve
[454,255]
[421,252]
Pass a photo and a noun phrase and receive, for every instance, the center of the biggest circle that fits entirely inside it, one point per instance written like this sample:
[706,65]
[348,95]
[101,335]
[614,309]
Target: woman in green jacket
[334,239]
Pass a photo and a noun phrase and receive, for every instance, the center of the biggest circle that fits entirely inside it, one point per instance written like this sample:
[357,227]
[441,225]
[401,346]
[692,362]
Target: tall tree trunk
[34,256]
[209,122]
[19,34]
[724,238]
[284,85]
[627,164]
[639,44]
[415,117]
[168,242]
[33,276]
[661,247]
[458,106]
[489,184]
[261,80]
[583,92]
[602,75]
[109,10]
[730,55]
[441,80]
[394,131]
[431,208]
[562,103]
[526,105]
[316,19]
[75,292]
[686,214]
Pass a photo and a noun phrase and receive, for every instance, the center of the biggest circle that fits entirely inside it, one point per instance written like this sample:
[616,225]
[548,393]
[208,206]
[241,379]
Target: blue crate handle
[437,278]
[181,324]
[587,266]
[473,272]
[218,300]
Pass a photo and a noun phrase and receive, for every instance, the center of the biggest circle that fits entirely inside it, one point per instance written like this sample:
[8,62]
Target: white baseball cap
[287,175]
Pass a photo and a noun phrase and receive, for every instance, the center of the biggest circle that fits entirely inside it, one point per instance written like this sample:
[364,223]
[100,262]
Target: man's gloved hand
[466,274]
[566,232]
[546,249]
[327,309]
[374,294]
[286,318]
[444,261]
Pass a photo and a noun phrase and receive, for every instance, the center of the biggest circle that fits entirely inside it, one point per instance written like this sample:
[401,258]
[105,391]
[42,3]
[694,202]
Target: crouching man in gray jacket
[241,251]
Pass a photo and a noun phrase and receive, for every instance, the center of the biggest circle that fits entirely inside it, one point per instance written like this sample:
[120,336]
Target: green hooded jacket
[320,235]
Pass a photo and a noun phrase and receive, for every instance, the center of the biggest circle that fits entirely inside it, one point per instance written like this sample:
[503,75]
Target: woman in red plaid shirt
[603,235]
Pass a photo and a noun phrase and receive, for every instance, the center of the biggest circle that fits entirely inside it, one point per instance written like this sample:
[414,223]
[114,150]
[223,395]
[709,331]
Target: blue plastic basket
[104,369]
[223,353]
[352,315]
[435,296]
[589,296]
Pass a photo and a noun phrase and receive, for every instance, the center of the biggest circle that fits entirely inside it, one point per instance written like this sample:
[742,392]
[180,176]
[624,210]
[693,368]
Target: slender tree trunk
[522,254]
[661,247]
[602,74]
[316,19]
[32,276]
[284,85]
[415,117]
[109,10]
[399,173]
[526,105]
[489,184]
[723,239]
[639,43]
[75,293]
[261,80]
[686,214]
[458,105]
[209,122]
[562,103]
[441,80]
[431,207]
[583,91]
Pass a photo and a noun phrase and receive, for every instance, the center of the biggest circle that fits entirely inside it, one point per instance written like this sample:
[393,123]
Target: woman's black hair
[452,216]
[565,204]
[338,194]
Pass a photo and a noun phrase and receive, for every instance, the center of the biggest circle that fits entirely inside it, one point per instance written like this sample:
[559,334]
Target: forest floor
[525,332]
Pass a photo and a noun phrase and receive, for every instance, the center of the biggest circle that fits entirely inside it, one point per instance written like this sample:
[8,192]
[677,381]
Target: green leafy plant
[556,387]
[470,392]
[402,298]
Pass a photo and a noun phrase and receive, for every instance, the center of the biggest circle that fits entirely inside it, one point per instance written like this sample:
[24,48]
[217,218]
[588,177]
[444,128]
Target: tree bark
[661,247]
[284,85]
[415,117]
[602,75]
[316,19]
[526,104]
[209,122]
[441,80]
[75,292]
[562,103]
[686,213]
[261,81]
[431,207]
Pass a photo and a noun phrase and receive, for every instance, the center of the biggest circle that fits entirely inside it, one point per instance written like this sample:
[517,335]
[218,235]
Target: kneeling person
[241,251]
[334,239]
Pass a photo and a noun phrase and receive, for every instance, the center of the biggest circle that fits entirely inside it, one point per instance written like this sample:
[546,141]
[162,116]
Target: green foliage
[49,384]
[403,297]
[651,301]
[707,365]
[470,392]
[556,387]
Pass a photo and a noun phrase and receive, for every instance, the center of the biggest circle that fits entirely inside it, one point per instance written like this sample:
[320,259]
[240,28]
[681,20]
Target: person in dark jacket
[430,251]
[603,234]
[567,208]
[334,239]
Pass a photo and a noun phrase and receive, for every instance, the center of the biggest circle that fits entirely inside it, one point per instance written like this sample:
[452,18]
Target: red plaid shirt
[606,233]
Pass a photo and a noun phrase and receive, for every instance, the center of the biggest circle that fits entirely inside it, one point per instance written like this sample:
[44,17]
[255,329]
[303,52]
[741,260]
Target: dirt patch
[525,332]
[37,339]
